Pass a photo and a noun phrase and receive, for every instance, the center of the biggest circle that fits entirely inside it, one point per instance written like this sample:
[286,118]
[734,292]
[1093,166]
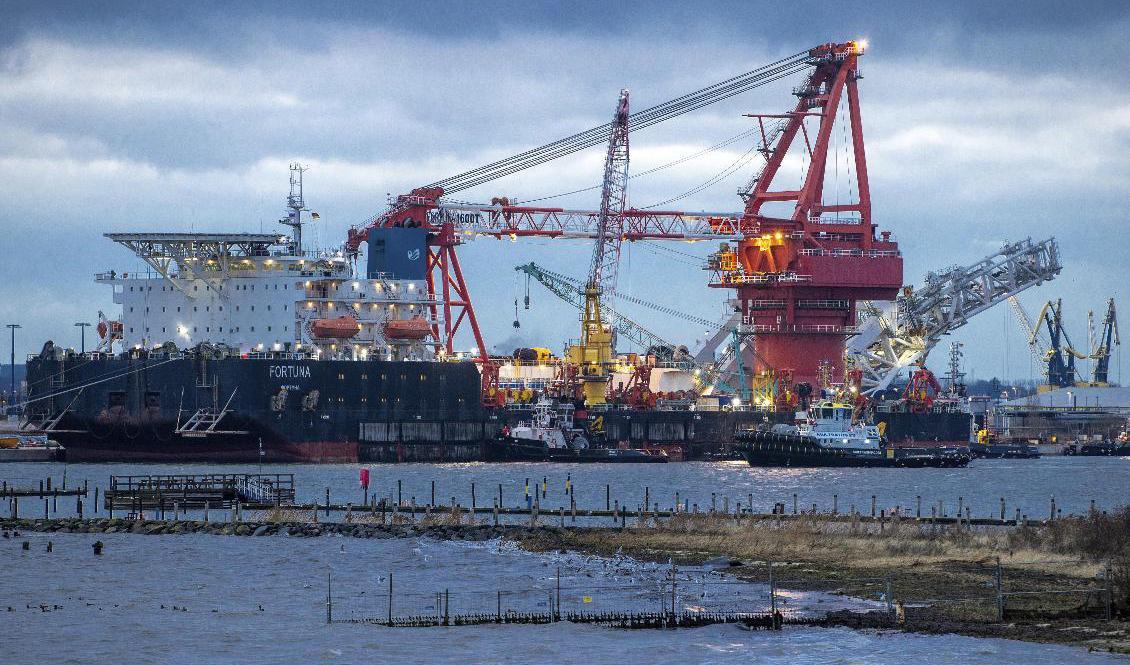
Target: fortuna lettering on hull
[290,372]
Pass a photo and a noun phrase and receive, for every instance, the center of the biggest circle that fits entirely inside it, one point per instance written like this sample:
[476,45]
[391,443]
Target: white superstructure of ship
[830,425]
[264,293]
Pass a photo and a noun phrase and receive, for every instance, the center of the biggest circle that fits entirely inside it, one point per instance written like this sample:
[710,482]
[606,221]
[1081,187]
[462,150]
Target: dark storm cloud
[985,122]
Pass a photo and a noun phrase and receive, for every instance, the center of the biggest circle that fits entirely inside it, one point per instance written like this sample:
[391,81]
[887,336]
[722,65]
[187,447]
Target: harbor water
[216,599]
[1027,485]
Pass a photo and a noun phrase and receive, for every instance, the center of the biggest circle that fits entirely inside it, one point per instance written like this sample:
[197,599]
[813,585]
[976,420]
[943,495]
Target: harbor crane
[1055,352]
[1061,355]
[798,273]
[448,224]
[890,342]
[711,376]
[1102,345]
[594,355]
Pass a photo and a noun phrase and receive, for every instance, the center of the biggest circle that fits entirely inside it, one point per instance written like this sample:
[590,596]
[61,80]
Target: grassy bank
[1053,575]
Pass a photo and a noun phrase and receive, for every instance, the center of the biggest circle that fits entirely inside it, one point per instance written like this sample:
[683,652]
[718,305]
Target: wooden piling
[999,581]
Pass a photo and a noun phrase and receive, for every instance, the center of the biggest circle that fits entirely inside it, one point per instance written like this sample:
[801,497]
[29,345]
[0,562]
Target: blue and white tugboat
[826,435]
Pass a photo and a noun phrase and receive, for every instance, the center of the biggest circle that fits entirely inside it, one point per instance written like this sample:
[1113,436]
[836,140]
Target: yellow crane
[593,355]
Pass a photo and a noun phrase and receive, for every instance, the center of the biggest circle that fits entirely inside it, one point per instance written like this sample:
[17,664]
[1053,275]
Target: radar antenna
[297,205]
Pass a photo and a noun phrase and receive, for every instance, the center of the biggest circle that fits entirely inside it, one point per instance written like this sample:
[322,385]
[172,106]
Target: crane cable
[602,137]
[670,311]
[733,168]
[639,120]
[685,158]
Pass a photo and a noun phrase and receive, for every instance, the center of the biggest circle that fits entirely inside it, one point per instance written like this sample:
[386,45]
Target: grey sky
[983,124]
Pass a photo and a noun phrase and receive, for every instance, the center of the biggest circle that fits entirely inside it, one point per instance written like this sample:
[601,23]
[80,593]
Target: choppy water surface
[1025,484]
[262,600]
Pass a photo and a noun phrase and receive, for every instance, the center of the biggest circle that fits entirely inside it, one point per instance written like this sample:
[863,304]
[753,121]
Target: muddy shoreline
[916,583]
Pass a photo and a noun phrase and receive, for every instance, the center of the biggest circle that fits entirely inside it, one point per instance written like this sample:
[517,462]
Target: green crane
[573,292]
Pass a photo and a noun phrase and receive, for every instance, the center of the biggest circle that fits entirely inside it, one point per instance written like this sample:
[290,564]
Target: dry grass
[950,567]
[817,539]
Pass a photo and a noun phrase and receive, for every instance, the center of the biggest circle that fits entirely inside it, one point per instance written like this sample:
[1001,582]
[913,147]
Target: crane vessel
[244,347]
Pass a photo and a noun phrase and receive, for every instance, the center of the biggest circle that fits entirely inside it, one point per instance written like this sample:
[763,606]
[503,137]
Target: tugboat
[1120,447]
[988,446]
[551,437]
[825,435]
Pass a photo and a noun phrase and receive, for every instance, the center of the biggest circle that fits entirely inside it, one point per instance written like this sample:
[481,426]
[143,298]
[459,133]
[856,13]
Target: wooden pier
[199,490]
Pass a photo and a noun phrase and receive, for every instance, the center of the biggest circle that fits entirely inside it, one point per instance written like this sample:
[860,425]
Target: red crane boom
[798,277]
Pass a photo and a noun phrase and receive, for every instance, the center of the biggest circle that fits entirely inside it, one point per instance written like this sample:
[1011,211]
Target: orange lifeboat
[413,328]
[343,327]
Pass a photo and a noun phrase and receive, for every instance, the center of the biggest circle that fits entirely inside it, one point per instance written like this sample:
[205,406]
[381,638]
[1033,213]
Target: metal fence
[675,599]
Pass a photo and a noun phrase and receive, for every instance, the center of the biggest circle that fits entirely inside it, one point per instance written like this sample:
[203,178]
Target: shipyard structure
[244,347]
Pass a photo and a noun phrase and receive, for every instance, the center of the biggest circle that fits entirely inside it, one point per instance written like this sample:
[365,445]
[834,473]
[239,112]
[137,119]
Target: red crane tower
[798,277]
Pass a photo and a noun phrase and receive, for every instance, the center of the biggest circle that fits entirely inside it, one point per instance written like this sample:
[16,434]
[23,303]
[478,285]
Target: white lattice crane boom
[613,197]
[1035,345]
[887,344]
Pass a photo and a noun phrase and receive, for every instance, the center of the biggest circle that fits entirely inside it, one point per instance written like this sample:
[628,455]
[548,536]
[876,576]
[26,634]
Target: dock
[200,490]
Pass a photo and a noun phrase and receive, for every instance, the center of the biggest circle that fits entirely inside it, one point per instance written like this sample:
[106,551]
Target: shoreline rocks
[470,532]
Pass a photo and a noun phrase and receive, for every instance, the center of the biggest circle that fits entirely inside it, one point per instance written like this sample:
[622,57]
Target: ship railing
[764,278]
[277,355]
[803,328]
[684,365]
[818,219]
[385,296]
[845,237]
[870,254]
[1024,408]
[823,304]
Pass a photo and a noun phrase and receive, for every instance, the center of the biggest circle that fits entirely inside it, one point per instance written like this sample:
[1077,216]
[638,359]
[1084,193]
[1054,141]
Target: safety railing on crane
[870,254]
[763,278]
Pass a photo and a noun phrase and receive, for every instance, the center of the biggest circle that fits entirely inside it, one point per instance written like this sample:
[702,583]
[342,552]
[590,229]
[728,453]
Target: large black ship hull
[140,407]
[928,428]
[783,450]
[161,409]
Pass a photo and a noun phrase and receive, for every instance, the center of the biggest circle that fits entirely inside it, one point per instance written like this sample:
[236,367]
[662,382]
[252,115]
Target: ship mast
[296,204]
